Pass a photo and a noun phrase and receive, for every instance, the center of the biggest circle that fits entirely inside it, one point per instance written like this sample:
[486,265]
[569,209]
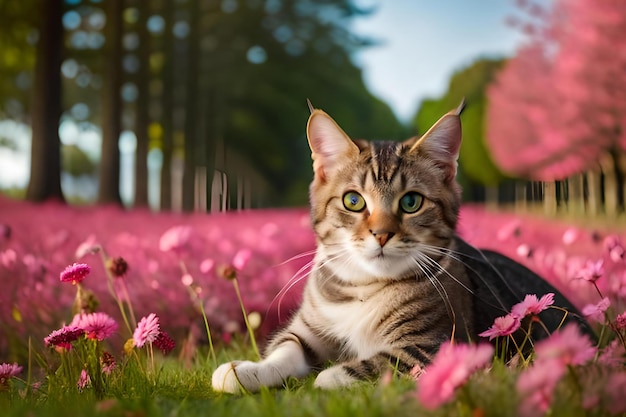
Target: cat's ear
[442,141]
[330,145]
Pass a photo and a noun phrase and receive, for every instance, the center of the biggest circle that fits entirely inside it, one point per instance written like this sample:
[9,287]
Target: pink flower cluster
[147,330]
[507,325]
[75,273]
[450,369]
[567,347]
[8,371]
[64,337]
[97,326]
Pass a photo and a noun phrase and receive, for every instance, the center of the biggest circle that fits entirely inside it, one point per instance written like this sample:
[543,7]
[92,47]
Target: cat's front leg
[347,373]
[286,360]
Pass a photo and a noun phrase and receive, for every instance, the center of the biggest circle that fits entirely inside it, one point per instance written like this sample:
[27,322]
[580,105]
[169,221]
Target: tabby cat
[391,280]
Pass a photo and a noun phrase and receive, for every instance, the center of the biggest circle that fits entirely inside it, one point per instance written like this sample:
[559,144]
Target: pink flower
[88,246]
[8,371]
[164,343]
[175,238]
[613,245]
[615,388]
[451,368]
[207,266]
[8,258]
[241,258]
[568,346]
[613,354]
[512,228]
[592,271]
[83,381]
[64,336]
[107,362]
[532,305]
[535,387]
[620,321]
[75,273]
[617,253]
[524,251]
[570,236]
[147,330]
[595,312]
[502,326]
[98,326]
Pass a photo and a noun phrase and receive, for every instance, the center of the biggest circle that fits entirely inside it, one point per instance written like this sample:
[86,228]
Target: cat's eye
[353,201]
[411,202]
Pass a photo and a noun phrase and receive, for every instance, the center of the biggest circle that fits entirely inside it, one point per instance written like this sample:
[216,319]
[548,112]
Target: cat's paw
[333,377]
[235,377]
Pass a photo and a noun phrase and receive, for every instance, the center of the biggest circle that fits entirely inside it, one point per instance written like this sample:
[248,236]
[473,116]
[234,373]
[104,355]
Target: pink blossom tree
[558,108]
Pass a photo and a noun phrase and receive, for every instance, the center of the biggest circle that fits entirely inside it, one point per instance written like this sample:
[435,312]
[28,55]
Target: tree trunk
[610,186]
[594,187]
[191,110]
[521,198]
[549,198]
[109,187]
[143,105]
[168,108]
[491,196]
[45,166]
[576,194]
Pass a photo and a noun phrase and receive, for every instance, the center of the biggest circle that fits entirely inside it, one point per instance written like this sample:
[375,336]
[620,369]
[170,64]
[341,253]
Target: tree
[142,120]
[45,167]
[560,103]
[192,138]
[17,60]
[109,173]
[476,168]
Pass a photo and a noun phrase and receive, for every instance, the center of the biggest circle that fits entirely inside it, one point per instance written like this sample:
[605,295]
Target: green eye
[411,202]
[353,201]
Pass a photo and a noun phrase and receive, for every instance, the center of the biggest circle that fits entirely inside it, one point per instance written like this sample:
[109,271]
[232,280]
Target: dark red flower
[117,266]
[64,336]
[164,342]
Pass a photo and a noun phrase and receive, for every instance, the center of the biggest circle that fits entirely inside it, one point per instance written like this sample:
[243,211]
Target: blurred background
[200,105]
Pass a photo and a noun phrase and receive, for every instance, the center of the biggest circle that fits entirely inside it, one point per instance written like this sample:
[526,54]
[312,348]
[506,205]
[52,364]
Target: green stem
[245,319]
[208,332]
[120,305]
[193,294]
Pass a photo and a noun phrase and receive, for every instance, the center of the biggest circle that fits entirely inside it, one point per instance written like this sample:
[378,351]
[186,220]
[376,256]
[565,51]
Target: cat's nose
[382,237]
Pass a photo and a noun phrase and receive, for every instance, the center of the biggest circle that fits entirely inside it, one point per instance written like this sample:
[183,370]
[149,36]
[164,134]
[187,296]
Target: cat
[391,280]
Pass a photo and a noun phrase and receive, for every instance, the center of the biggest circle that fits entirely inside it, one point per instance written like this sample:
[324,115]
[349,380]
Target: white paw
[333,377]
[235,377]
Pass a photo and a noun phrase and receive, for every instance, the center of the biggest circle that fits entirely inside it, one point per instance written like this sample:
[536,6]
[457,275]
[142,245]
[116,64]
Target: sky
[424,41]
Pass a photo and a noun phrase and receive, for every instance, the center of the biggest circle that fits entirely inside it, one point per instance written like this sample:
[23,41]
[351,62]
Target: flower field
[95,296]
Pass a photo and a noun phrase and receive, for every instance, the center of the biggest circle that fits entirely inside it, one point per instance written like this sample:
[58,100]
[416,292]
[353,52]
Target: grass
[179,391]
[172,386]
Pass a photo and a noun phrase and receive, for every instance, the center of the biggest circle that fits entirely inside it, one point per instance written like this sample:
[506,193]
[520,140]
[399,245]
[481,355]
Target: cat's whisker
[300,275]
[436,283]
[457,256]
[298,256]
[434,263]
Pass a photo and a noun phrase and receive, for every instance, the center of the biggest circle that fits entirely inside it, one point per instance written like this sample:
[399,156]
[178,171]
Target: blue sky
[425,41]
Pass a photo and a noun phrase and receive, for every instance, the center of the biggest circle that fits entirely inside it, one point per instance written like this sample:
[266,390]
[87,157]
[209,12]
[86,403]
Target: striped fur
[388,286]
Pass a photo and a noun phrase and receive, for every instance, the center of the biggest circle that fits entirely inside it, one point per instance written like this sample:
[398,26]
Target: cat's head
[378,208]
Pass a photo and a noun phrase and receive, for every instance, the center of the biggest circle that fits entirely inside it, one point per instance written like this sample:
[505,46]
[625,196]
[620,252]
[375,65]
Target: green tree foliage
[76,162]
[475,163]
[17,55]
[267,59]
[219,78]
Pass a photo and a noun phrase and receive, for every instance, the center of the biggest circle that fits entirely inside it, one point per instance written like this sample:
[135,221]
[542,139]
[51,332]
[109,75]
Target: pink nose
[383,237]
